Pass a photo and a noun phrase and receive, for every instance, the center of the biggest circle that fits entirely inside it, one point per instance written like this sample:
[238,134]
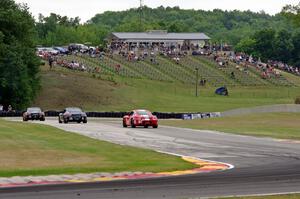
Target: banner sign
[194,116]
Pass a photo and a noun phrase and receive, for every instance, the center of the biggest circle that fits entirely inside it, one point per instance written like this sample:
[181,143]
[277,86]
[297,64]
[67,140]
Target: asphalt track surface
[262,165]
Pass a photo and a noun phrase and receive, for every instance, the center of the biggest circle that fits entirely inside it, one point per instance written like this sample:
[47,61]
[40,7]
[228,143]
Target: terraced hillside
[166,69]
[144,68]
[108,66]
[212,76]
[250,77]
[245,78]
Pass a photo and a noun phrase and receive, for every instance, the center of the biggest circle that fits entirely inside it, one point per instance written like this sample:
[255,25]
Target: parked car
[72,114]
[61,50]
[78,47]
[46,51]
[140,118]
[34,113]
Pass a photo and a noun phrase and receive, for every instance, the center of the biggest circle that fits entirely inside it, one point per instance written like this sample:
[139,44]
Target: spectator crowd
[243,61]
[223,55]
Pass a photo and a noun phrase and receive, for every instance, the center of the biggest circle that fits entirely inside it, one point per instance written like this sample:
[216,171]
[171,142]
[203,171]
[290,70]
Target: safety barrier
[159,115]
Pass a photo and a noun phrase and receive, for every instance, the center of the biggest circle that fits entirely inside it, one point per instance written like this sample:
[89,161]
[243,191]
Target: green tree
[292,12]
[264,45]
[296,51]
[19,66]
[57,30]
[283,46]
[246,45]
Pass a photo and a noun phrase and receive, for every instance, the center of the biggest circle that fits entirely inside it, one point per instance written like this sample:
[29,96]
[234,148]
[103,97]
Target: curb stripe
[205,166]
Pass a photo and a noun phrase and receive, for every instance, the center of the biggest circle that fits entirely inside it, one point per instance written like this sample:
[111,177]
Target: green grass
[291,196]
[31,149]
[277,125]
[292,78]
[61,88]
[64,88]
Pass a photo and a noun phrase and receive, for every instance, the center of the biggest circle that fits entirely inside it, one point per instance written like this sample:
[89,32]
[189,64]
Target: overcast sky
[86,9]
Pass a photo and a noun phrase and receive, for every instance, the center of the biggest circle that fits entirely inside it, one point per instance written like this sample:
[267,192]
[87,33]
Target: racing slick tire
[132,124]
[124,125]
[155,127]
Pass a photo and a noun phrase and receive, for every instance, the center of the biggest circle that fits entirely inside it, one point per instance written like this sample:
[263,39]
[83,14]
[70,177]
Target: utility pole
[197,79]
[221,45]
[141,14]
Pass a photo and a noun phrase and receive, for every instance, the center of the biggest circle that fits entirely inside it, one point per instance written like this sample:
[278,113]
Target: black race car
[72,114]
[34,113]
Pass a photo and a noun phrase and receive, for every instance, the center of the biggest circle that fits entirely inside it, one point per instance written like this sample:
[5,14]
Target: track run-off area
[261,165]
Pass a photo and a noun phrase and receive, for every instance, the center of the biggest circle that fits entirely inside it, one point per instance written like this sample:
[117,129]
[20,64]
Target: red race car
[140,118]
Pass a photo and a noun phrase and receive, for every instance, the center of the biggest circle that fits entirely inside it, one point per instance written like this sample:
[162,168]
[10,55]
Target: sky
[86,9]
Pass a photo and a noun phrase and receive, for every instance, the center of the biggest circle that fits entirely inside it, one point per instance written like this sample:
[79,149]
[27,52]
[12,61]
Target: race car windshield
[74,110]
[142,113]
[33,110]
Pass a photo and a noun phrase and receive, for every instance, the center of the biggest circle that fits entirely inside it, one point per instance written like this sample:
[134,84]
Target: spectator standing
[50,60]
[117,68]
[9,109]
[232,75]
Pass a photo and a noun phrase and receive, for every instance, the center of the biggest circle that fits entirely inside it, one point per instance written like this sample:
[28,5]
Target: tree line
[279,45]
[61,30]
[222,26]
[274,45]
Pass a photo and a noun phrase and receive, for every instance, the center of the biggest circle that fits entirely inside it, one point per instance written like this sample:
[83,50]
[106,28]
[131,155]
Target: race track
[262,165]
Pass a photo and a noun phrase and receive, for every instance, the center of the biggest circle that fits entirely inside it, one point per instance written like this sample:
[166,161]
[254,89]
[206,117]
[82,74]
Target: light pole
[197,79]
[141,14]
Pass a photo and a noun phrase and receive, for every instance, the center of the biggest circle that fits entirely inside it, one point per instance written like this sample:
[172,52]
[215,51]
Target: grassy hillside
[62,87]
